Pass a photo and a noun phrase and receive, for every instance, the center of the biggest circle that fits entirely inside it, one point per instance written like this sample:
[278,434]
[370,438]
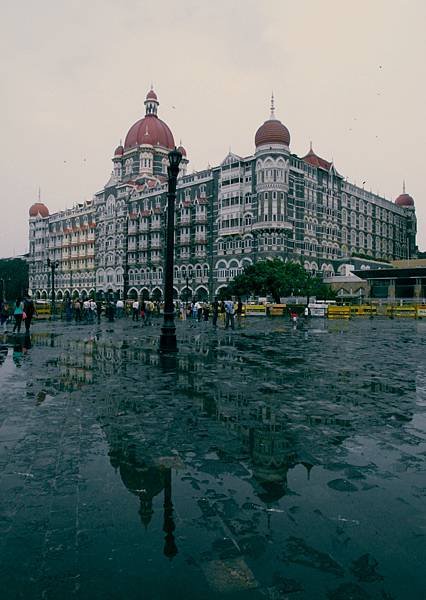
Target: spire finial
[403,186]
[39,193]
[310,146]
[152,86]
[272,106]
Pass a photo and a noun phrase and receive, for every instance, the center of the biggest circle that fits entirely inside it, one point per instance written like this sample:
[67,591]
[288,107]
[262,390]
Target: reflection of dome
[145,482]
[39,209]
[272,131]
[150,130]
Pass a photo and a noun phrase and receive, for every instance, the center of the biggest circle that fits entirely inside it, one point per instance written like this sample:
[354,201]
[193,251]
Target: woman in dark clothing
[29,310]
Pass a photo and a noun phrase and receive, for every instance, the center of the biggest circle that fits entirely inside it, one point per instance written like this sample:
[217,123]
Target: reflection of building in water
[261,431]
[141,476]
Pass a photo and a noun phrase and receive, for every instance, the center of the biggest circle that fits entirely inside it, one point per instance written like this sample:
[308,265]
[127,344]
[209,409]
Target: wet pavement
[263,463]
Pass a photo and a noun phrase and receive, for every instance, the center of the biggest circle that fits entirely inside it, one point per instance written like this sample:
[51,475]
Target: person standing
[92,311]
[120,308]
[148,310]
[215,311]
[135,308]
[18,315]
[199,308]
[229,314]
[68,310]
[77,310]
[206,311]
[29,310]
[99,311]
[4,315]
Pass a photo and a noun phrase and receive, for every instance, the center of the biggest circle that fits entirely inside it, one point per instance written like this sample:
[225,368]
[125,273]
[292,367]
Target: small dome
[119,151]
[182,150]
[150,129]
[39,209]
[404,200]
[151,95]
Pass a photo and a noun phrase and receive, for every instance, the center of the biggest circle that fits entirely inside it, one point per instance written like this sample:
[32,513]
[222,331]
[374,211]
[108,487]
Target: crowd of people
[88,310]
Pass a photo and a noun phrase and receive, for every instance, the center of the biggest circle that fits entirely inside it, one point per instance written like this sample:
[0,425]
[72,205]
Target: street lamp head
[174,158]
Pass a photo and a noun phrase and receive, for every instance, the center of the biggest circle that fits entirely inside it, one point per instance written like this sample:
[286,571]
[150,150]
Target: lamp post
[53,265]
[168,329]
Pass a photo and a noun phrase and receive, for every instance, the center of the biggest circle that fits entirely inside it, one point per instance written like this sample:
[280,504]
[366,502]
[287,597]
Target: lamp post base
[168,342]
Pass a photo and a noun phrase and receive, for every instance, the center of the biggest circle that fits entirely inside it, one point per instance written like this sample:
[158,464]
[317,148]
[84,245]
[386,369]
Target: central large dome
[150,129]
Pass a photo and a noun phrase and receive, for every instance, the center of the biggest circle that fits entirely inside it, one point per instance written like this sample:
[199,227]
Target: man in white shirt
[135,308]
[229,314]
[120,308]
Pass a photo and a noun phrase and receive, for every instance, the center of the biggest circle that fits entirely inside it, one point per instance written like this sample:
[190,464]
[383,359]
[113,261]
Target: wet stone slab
[269,462]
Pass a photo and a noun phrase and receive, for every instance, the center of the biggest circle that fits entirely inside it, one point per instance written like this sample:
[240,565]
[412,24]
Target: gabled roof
[316,161]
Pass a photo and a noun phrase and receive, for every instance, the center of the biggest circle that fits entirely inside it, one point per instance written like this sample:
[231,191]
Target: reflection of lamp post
[170,548]
[168,330]
[53,264]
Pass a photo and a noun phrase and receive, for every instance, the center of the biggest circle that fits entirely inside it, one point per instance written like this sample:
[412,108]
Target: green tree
[278,279]
[270,277]
[13,278]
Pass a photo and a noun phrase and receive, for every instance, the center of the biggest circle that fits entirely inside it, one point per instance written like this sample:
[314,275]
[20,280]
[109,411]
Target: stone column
[418,289]
[391,289]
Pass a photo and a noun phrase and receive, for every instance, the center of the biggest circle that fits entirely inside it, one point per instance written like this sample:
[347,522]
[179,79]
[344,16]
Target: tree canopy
[278,279]
[13,277]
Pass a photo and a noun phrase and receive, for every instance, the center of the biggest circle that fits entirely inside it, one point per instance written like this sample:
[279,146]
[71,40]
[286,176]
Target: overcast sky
[350,76]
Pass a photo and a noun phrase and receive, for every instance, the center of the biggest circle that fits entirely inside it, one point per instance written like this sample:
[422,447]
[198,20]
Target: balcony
[184,220]
[184,239]
[155,225]
[201,238]
[155,243]
[272,225]
[201,218]
[231,230]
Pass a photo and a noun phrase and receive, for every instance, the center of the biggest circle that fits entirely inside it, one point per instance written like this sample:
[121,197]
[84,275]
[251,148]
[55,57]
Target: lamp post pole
[168,330]
[53,264]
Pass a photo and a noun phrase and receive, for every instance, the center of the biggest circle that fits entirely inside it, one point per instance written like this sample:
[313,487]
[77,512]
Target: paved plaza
[269,462]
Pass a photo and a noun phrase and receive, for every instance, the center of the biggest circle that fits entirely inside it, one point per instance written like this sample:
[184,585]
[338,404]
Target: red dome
[119,151]
[182,150]
[151,95]
[39,209]
[404,200]
[272,132]
[149,130]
